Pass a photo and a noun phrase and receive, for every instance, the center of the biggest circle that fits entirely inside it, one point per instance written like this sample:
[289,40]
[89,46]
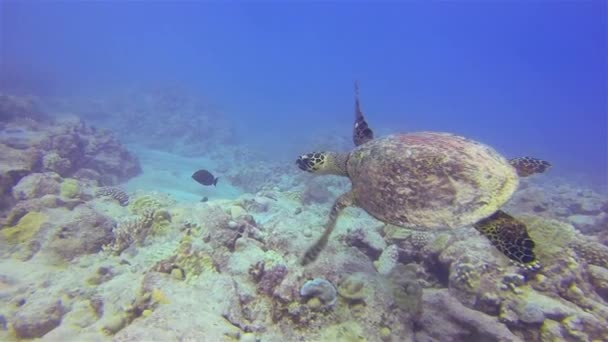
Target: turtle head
[323,163]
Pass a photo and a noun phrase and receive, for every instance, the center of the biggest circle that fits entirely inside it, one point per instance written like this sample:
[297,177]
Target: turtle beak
[303,163]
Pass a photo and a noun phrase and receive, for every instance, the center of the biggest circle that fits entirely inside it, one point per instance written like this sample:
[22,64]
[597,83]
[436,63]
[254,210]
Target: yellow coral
[27,227]
[345,332]
[161,222]
[70,188]
[160,297]
[151,202]
[193,262]
[550,236]
[553,237]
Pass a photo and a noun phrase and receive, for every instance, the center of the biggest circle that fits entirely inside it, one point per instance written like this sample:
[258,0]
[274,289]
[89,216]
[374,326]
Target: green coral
[27,227]
[70,188]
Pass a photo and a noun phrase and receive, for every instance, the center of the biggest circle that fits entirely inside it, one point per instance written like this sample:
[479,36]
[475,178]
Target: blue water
[529,78]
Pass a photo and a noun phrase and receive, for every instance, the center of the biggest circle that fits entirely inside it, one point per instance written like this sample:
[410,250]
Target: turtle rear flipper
[361,132]
[509,236]
[313,252]
[527,166]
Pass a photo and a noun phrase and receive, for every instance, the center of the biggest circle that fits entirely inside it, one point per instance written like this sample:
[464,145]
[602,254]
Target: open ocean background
[529,78]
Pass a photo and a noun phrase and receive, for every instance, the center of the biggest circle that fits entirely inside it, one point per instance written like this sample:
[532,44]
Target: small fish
[205,177]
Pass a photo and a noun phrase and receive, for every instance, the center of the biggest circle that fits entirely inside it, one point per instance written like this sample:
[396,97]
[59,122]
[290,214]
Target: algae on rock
[27,227]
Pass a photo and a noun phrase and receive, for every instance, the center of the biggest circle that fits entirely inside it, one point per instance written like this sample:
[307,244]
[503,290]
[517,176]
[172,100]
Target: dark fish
[204,177]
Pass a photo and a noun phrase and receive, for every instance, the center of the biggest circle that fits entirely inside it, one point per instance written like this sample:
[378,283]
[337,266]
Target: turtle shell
[430,180]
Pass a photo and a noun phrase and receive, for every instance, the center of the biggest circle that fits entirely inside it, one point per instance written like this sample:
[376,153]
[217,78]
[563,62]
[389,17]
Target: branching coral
[129,231]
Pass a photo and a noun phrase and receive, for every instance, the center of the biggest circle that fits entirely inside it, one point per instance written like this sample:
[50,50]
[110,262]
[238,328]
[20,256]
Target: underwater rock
[26,229]
[531,313]
[236,212]
[271,278]
[66,148]
[20,108]
[445,319]
[320,289]
[584,223]
[14,165]
[369,241]
[406,290]
[52,161]
[37,185]
[36,318]
[86,233]
[599,279]
[257,204]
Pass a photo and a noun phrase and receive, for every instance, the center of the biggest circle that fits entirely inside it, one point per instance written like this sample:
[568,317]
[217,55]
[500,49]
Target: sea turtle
[428,180]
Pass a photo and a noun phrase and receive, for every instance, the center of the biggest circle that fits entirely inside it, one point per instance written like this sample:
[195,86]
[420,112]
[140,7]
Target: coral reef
[446,319]
[69,188]
[129,231]
[27,227]
[67,148]
[165,117]
[86,233]
[145,266]
[20,108]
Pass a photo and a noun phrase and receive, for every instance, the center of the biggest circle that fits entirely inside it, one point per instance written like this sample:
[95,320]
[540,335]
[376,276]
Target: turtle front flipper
[527,166]
[361,132]
[509,236]
[313,252]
